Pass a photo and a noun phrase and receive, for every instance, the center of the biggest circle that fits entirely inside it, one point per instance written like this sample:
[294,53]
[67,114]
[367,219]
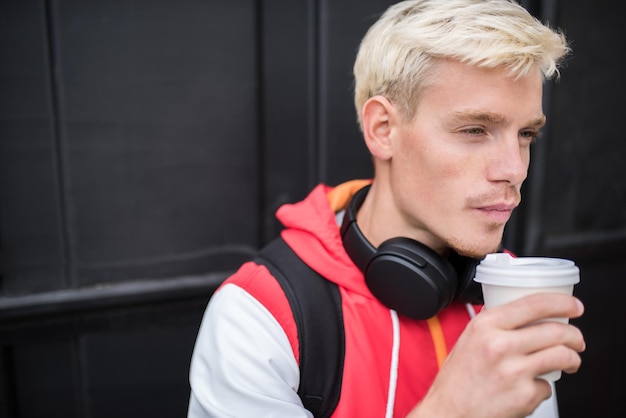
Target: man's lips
[498,212]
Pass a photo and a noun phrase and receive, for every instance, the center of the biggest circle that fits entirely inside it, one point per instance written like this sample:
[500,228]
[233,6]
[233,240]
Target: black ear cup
[411,278]
[468,290]
[406,275]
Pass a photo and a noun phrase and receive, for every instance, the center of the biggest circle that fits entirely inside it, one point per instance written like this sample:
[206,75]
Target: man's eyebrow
[537,123]
[477,116]
[492,118]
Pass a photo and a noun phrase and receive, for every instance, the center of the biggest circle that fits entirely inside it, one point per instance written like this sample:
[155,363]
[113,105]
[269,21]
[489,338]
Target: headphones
[406,275]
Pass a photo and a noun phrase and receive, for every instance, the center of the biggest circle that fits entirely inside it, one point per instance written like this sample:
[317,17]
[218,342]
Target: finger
[554,358]
[530,393]
[535,307]
[541,335]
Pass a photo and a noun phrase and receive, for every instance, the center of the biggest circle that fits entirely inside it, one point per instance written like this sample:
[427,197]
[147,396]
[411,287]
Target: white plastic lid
[504,270]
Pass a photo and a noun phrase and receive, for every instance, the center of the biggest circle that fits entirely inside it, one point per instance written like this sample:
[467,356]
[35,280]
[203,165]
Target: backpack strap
[316,306]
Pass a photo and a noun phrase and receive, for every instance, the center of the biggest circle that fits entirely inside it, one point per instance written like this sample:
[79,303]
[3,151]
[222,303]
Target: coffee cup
[504,278]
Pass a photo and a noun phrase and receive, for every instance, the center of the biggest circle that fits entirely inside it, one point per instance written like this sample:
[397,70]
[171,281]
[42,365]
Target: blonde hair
[398,51]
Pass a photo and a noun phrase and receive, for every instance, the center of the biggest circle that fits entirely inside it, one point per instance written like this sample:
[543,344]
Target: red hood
[312,231]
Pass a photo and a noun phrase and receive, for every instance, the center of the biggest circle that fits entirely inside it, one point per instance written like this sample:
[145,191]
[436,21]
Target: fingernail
[581,307]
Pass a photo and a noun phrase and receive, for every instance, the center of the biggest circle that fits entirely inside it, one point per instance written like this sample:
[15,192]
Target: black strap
[316,306]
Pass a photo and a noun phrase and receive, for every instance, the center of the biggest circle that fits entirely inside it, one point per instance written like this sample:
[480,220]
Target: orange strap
[436,332]
[341,195]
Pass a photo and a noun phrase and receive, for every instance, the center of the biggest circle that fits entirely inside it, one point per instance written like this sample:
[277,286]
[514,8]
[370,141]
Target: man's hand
[492,370]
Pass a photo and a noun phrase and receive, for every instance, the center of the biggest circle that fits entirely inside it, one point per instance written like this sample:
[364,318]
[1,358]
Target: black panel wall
[145,145]
[577,200]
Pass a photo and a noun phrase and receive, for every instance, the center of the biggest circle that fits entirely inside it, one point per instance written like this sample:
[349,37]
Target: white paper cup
[505,278]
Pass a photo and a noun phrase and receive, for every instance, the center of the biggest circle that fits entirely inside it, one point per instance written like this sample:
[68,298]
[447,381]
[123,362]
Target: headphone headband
[350,231]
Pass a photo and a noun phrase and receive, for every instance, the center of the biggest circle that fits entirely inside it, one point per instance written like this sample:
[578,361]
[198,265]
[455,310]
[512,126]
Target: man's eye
[475,131]
[532,136]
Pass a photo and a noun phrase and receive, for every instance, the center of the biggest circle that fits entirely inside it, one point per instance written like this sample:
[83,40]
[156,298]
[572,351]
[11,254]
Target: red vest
[369,334]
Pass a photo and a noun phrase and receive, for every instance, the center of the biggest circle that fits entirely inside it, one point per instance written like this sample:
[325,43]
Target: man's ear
[377,118]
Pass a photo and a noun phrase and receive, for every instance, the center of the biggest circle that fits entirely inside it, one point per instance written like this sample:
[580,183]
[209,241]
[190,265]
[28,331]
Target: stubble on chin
[477,248]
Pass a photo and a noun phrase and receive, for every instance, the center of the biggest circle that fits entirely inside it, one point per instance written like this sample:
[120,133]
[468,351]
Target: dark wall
[144,146]
[117,117]
[578,201]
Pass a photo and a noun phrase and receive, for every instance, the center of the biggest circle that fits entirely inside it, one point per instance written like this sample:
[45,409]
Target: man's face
[457,167]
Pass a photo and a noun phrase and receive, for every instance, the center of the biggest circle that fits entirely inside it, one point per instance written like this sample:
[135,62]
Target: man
[449,98]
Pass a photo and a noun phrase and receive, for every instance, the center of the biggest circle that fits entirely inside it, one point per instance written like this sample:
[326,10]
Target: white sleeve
[242,364]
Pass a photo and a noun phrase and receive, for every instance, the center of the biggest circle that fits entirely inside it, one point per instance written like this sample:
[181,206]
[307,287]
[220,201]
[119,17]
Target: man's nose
[509,162]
